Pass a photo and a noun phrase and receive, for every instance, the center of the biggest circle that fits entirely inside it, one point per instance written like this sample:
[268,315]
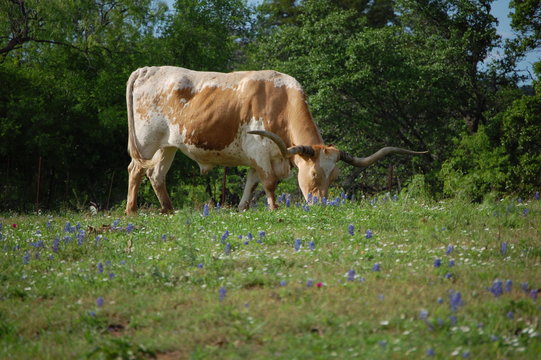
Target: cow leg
[251,183]
[269,185]
[136,173]
[157,176]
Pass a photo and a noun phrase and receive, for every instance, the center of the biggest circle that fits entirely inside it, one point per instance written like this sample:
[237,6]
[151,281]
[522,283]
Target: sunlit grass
[295,283]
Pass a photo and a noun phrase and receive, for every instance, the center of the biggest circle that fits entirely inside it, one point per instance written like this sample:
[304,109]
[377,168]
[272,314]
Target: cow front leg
[157,176]
[251,183]
[135,176]
[270,182]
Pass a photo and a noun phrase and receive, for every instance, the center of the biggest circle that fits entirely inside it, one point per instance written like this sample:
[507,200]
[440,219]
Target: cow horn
[378,155]
[286,152]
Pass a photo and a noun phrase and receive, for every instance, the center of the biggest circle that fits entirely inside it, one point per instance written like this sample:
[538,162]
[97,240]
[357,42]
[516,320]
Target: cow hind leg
[157,175]
[251,183]
[135,173]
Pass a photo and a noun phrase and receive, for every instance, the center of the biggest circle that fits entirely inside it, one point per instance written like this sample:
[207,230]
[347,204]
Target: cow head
[317,163]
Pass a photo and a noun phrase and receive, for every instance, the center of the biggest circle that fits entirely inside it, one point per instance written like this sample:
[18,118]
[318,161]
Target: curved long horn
[378,155]
[286,152]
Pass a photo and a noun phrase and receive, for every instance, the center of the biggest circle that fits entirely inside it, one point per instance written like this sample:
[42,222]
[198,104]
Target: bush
[475,168]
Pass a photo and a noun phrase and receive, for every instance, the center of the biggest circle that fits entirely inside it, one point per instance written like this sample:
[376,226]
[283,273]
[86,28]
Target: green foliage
[475,168]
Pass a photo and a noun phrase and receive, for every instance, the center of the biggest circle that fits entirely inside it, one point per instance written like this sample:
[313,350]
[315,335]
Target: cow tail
[133,149]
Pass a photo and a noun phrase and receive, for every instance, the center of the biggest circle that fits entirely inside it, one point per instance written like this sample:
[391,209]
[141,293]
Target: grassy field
[372,279]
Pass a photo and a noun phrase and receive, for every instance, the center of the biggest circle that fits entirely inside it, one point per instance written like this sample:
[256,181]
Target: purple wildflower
[430,352]
[99,301]
[227,248]
[100,267]
[312,245]
[525,287]
[465,354]
[368,234]
[221,293]
[453,319]
[351,275]
[533,294]
[449,250]
[206,210]
[437,263]
[130,228]
[261,236]
[200,266]
[423,314]
[111,275]
[508,285]
[376,267]
[283,283]
[114,226]
[510,315]
[451,263]
[26,258]
[288,202]
[225,235]
[351,229]
[309,198]
[310,283]
[56,244]
[439,300]
[503,248]
[497,288]
[455,300]
[525,211]
[536,195]
[297,244]
[80,237]
[164,237]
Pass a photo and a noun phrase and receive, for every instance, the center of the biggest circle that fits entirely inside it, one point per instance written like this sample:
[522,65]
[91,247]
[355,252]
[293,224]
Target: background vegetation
[417,74]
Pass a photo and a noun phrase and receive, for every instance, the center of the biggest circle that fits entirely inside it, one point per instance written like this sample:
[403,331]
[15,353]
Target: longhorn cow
[258,119]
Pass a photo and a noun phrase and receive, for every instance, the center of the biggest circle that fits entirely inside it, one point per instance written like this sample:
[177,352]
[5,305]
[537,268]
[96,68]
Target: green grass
[160,283]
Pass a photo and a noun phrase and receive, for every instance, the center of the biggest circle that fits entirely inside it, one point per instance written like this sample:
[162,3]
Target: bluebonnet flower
[496,288]
[26,258]
[508,285]
[525,287]
[261,236]
[362,279]
[382,343]
[525,211]
[455,300]
[218,206]
[206,210]
[99,301]
[49,224]
[288,202]
[283,283]
[100,267]
[250,236]
[92,313]
[324,201]
[225,235]
[533,294]
[368,234]
[451,263]
[423,314]
[130,228]
[227,248]
[221,293]
[97,240]
[310,283]
[351,229]
[309,198]
[437,263]
[503,248]
[439,300]
[80,237]
[312,245]
[394,198]
[376,267]
[494,338]
[536,195]
[56,244]
[164,237]
[305,207]
[351,275]
[519,200]
[114,226]
[68,227]
[449,250]
[200,266]
[510,315]
[453,319]
[430,352]
[381,297]
[123,262]
[465,354]
[111,275]
[78,226]
[297,244]
[315,200]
